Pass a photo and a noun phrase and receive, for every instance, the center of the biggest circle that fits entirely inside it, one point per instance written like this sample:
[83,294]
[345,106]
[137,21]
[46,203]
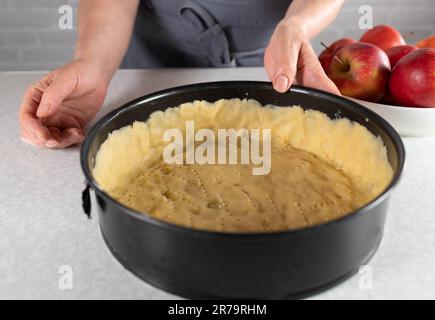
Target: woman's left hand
[290,59]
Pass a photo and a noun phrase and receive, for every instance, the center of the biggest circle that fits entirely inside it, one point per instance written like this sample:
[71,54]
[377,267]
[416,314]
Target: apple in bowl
[428,42]
[360,70]
[328,54]
[390,77]
[412,81]
[410,102]
[398,52]
[383,37]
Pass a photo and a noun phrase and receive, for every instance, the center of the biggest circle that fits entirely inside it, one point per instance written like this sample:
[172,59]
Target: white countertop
[42,227]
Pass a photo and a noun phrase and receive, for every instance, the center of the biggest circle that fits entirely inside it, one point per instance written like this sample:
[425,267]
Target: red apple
[412,81]
[396,53]
[327,55]
[383,36]
[361,71]
[428,42]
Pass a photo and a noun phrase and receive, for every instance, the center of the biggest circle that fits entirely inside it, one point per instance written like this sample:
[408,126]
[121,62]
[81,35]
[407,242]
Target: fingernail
[281,83]
[51,143]
[28,142]
[74,137]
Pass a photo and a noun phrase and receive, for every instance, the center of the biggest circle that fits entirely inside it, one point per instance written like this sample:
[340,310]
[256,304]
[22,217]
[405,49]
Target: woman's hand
[56,109]
[290,59]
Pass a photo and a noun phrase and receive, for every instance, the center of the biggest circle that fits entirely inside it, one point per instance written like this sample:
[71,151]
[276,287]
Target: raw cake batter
[321,169]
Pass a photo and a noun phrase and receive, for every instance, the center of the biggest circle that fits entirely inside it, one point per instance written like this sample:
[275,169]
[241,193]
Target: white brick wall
[31,40]
[415,19]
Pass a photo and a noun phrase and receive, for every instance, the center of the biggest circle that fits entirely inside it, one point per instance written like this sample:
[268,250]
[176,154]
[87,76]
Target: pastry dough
[321,169]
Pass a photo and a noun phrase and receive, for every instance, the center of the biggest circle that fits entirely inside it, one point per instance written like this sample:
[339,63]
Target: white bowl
[407,121]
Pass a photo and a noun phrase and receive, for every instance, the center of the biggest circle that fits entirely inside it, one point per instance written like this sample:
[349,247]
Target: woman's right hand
[56,109]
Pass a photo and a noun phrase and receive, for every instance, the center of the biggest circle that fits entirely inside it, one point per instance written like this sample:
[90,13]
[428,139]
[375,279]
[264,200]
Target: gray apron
[202,33]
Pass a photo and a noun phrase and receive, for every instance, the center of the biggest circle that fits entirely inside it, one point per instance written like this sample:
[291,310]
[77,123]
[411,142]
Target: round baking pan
[201,264]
